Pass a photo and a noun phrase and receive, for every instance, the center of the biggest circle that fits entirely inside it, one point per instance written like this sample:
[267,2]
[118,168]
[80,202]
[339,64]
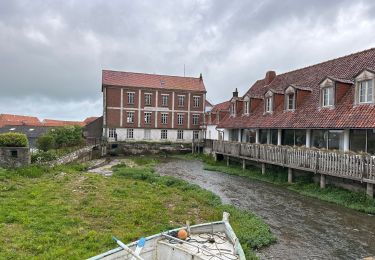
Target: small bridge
[359,167]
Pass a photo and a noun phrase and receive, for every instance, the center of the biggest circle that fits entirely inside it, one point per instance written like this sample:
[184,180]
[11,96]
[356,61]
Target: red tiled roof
[52,122]
[309,114]
[142,80]
[208,104]
[221,106]
[7,119]
[90,119]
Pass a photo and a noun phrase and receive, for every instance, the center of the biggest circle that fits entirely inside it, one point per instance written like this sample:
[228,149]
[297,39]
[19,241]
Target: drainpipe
[257,136]
[279,131]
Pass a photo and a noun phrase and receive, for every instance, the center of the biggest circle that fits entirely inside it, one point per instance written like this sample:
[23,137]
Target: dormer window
[269,104]
[365,91]
[246,105]
[233,109]
[327,97]
[290,101]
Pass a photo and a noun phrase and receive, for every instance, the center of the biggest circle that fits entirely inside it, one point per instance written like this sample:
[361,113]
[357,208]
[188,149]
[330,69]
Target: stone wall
[14,156]
[133,148]
[81,155]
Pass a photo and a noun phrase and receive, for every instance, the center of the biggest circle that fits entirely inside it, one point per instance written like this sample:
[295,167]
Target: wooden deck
[360,167]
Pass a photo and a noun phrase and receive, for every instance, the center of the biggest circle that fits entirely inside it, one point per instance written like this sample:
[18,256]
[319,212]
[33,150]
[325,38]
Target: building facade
[149,107]
[330,105]
[213,118]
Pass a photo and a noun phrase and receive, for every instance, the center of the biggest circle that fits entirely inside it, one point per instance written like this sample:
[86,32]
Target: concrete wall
[14,156]
[81,155]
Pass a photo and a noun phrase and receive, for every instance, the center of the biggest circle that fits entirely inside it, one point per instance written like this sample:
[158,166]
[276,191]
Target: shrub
[67,136]
[13,140]
[43,156]
[45,142]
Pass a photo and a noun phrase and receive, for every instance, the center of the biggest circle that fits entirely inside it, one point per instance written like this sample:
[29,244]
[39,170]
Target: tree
[45,142]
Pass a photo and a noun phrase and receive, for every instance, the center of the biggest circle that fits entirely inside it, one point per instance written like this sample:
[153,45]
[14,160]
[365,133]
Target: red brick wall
[341,90]
[185,107]
[125,98]
[113,118]
[199,121]
[113,97]
[152,125]
[301,95]
[153,98]
[125,117]
[254,103]
[278,101]
[169,122]
[160,93]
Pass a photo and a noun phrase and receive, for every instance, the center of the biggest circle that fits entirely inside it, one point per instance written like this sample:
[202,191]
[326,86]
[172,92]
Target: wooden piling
[290,175]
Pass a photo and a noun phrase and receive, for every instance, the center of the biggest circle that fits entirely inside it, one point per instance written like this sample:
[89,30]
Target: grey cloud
[55,50]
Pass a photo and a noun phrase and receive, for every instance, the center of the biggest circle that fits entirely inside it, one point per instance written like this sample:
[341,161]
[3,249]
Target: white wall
[212,133]
[155,134]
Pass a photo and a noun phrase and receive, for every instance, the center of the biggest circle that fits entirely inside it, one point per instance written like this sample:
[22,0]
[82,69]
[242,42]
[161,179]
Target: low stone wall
[81,155]
[133,148]
[14,156]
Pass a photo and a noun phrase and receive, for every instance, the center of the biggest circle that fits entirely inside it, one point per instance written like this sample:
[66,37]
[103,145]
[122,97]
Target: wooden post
[370,190]
[227,160]
[263,168]
[322,181]
[290,175]
[243,164]
[215,155]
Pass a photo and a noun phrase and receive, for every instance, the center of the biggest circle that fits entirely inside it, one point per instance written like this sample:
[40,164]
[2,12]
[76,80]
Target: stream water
[305,228]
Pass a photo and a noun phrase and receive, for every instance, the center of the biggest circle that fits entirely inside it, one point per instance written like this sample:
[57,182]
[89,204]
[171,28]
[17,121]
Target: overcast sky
[52,52]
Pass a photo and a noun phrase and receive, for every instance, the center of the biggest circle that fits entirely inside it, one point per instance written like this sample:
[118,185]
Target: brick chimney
[270,75]
[235,93]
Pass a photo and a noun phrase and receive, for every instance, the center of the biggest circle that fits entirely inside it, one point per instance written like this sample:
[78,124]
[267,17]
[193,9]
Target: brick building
[213,117]
[330,105]
[151,107]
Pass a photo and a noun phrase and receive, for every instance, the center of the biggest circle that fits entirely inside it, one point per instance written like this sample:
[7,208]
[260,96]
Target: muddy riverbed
[306,228]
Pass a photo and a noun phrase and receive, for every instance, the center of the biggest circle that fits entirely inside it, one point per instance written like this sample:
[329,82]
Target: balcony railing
[359,167]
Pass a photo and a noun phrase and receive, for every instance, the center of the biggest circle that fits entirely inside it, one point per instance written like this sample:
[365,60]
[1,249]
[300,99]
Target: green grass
[355,200]
[64,212]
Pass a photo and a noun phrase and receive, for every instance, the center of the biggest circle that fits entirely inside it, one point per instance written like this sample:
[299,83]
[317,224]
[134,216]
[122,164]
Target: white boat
[209,241]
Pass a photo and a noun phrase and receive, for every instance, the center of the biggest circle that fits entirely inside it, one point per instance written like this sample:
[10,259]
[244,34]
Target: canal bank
[306,228]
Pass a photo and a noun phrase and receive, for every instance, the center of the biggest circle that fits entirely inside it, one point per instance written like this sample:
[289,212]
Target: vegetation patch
[13,140]
[302,184]
[65,212]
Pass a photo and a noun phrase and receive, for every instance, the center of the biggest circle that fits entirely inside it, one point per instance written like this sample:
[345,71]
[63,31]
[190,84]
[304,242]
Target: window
[129,133]
[263,136]
[164,100]
[195,134]
[290,101]
[147,134]
[14,154]
[180,134]
[327,97]
[362,140]
[233,109]
[181,100]
[246,107]
[196,101]
[112,133]
[147,117]
[195,119]
[293,137]
[180,119]
[164,118]
[130,117]
[328,139]
[131,97]
[365,91]
[148,98]
[269,104]
[164,134]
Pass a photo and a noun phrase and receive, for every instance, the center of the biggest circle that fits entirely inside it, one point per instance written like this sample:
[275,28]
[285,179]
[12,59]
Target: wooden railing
[346,165]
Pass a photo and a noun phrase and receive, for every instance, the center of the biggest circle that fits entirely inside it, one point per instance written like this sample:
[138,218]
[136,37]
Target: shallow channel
[306,228]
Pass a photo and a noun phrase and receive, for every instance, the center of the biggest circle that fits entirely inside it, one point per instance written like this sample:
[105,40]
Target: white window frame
[147,117]
[131,96]
[130,117]
[164,134]
[112,133]
[195,119]
[328,94]
[196,100]
[130,133]
[164,100]
[246,107]
[368,97]
[147,134]
[164,118]
[180,119]
[180,134]
[291,101]
[269,104]
[148,99]
[181,100]
[195,134]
